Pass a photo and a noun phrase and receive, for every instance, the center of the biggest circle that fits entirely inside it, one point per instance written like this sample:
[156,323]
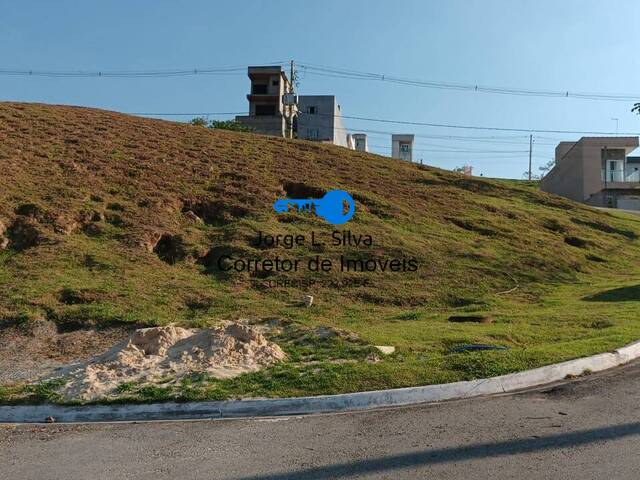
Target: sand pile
[160,352]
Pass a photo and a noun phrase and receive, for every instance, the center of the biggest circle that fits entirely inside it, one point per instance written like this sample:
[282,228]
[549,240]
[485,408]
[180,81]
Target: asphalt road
[586,429]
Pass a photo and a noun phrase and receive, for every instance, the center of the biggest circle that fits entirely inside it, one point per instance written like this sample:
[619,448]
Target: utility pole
[292,105]
[293,76]
[606,159]
[530,148]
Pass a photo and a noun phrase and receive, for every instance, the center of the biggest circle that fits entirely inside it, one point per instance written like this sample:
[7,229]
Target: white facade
[402,147]
[360,140]
[319,119]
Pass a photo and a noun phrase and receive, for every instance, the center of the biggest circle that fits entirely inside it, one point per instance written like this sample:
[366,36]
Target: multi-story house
[597,171]
[273,110]
[319,118]
[269,111]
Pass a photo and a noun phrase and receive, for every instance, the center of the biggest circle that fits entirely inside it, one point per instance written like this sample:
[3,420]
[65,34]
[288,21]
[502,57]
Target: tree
[199,122]
[229,125]
[525,175]
[546,168]
[220,124]
[636,108]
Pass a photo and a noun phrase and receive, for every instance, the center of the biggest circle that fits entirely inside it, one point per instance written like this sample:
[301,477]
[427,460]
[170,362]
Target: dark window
[259,89]
[275,83]
[312,110]
[264,110]
[613,154]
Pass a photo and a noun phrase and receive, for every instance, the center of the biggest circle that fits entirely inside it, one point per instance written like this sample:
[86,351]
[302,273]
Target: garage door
[629,203]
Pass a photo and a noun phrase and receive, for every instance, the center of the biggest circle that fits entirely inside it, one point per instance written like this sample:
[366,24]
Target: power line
[375,132]
[182,72]
[475,127]
[113,74]
[407,122]
[482,152]
[184,114]
[320,70]
[457,138]
[323,70]
[508,139]
[503,154]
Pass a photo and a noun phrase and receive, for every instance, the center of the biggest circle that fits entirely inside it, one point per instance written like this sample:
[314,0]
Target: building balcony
[620,176]
[272,96]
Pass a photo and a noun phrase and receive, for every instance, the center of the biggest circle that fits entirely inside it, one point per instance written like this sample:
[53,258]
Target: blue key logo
[336,207]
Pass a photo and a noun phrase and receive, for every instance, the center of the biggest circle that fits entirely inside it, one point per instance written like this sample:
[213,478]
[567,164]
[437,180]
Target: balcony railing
[632,176]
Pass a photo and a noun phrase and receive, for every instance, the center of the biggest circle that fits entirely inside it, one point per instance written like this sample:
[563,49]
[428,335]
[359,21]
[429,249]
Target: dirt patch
[69,296]
[116,207]
[152,354]
[302,190]
[31,351]
[114,219]
[25,232]
[65,225]
[216,212]
[576,242]
[470,319]
[32,210]
[170,248]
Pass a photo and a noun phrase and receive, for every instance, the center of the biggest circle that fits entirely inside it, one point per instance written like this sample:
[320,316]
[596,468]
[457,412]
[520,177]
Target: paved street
[587,429]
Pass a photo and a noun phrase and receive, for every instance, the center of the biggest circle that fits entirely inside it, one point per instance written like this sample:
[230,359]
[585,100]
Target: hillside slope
[109,219]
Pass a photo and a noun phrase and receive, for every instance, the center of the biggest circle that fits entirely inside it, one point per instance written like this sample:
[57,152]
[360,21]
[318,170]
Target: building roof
[313,97]
[402,137]
[266,69]
[612,142]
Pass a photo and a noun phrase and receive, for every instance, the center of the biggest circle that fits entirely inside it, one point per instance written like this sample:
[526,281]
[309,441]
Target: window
[259,88]
[313,133]
[265,110]
[404,147]
[313,110]
[275,83]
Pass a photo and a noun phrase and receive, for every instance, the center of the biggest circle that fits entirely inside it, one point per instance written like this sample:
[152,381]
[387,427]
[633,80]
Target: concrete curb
[325,403]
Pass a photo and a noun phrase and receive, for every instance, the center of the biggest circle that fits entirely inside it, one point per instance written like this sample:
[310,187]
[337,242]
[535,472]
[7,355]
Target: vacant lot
[110,222]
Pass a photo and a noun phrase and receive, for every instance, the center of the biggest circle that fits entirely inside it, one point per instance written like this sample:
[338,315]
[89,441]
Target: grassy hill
[112,221]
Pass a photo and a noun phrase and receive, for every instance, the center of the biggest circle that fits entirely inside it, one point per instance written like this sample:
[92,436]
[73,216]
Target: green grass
[557,278]
[563,324]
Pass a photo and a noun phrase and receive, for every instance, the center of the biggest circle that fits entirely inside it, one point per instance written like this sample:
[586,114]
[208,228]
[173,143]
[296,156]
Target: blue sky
[587,46]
